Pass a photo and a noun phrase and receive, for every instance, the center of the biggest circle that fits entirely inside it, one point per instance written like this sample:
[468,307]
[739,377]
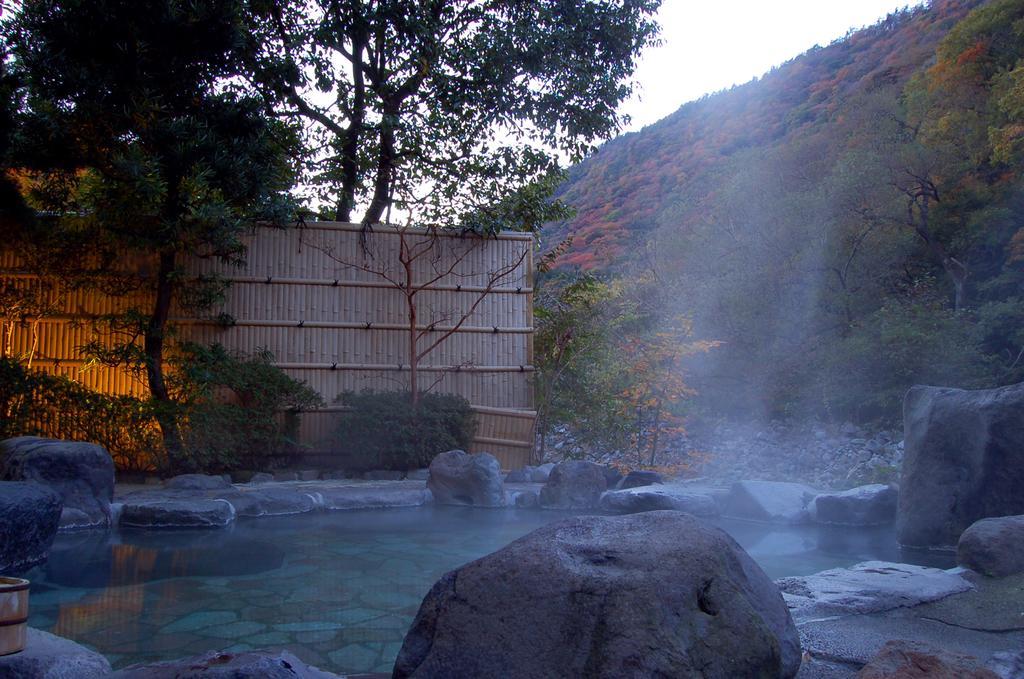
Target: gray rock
[29,517]
[81,473]
[868,587]
[261,477]
[862,506]
[383,475]
[286,476]
[652,594]
[900,659]
[270,501]
[418,474]
[196,482]
[612,476]
[1008,665]
[310,475]
[994,547]
[47,656]
[527,499]
[458,478]
[576,484]
[773,501]
[259,664]
[359,497]
[963,461]
[524,475]
[169,512]
[540,473]
[652,498]
[638,478]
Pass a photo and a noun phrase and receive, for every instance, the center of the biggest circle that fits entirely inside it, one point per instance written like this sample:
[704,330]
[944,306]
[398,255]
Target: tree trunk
[654,433]
[354,133]
[385,169]
[154,348]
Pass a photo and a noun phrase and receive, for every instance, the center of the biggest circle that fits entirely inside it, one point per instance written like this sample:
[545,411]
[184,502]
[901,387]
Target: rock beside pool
[458,478]
[862,506]
[29,517]
[176,513]
[257,664]
[651,498]
[993,547]
[261,477]
[901,659]
[81,473]
[270,501]
[638,478]
[771,501]
[868,587]
[1007,665]
[963,461]
[47,656]
[417,474]
[651,594]
[375,497]
[541,472]
[524,475]
[576,484]
[197,482]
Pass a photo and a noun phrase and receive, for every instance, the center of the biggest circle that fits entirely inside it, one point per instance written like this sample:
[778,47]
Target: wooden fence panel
[335,316]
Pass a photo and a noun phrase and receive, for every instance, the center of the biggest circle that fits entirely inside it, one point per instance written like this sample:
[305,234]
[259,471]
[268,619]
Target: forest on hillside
[817,240]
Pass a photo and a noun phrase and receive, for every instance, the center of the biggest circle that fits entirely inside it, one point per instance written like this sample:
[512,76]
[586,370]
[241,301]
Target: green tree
[141,143]
[445,108]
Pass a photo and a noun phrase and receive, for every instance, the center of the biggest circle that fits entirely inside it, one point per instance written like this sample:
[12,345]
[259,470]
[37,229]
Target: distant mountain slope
[624,189]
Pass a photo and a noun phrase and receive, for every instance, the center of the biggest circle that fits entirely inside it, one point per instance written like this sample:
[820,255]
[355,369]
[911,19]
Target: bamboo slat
[336,316]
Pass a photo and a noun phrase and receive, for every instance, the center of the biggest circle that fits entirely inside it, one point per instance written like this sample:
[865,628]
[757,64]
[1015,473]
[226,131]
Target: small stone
[638,478]
[196,482]
[261,477]
[993,547]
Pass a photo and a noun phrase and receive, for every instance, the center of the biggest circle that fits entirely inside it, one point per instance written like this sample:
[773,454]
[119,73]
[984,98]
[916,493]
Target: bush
[389,433]
[36,404]
[236,411]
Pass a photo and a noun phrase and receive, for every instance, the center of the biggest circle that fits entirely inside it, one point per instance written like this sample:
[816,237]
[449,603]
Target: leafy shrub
[36,404]
[390,433]
[236,410]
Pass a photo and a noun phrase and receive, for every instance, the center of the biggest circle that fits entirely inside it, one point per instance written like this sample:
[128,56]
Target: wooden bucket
[13,614]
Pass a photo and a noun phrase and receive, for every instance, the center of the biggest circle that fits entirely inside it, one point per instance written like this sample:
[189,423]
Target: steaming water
[339,590]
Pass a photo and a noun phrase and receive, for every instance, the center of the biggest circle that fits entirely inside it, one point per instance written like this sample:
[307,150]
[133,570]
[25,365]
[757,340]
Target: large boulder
[574,485]
[862,506]
[993,547]
[47,656]
[868,587]
[29,516]
[197,482]
[772,501]
[652,498]
[168,512]
[458,478]
[901,659]
[652,594]
[257,664]
[81,473]
[963,461]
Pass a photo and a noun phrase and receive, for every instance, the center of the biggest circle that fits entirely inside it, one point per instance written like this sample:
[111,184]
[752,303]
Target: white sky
[709,45]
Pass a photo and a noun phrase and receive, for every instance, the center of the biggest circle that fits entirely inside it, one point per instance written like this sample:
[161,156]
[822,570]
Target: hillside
[840,229]
[622,191]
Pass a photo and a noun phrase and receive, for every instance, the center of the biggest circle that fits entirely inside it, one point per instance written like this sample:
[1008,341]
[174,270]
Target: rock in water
[47,656]
[909,660]
[862,506]
[458,478]
[157,512]
[651,498]
[81,473]
[223,665]
[993,547]
[773,501]
[29,516]
[574,485]
[646,595]
[963,461]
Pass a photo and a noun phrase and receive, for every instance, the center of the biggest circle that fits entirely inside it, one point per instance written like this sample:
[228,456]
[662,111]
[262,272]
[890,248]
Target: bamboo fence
[333,312]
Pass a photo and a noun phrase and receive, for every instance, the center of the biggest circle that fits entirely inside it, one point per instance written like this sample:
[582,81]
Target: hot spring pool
[337,589]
